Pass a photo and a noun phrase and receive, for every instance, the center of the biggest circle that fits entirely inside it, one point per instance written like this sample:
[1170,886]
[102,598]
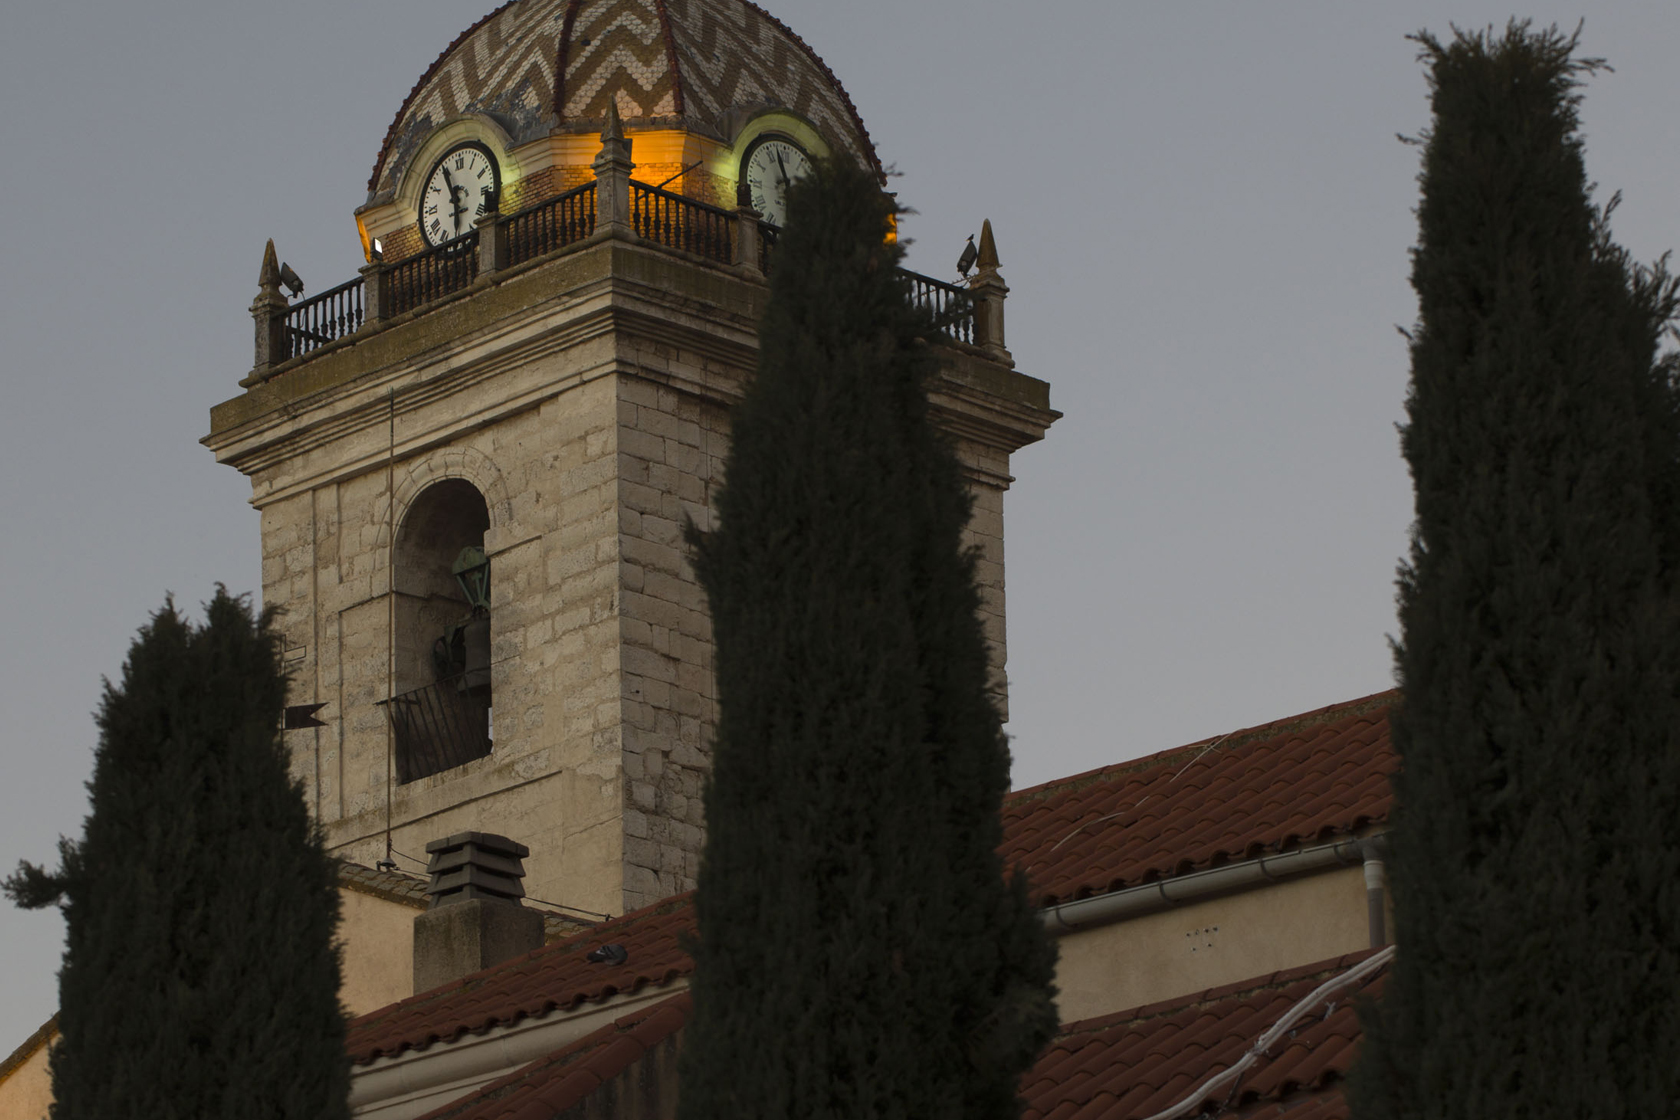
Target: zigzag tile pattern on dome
[1307,779]
[618,50]
[541,65]
[1137,1063]
[737,54]
[502,66]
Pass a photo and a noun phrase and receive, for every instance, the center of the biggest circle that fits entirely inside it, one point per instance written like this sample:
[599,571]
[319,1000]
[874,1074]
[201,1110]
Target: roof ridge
[845,98]
[42,1035]
[1242,736]
[378,882]
[670,55]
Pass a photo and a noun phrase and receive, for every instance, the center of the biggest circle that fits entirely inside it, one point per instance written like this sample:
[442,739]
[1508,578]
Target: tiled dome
[701,65]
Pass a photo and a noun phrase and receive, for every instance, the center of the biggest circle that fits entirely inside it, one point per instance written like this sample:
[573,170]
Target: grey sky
[1202,212]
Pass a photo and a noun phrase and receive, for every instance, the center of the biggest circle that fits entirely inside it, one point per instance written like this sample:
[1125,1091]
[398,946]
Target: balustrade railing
[681,223]
[950,304]
[321,318]
[432,275]
[657,215]
[550,224]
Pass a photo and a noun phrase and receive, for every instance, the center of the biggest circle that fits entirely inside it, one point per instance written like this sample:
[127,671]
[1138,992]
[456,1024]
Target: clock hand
[454,199]
[783,168]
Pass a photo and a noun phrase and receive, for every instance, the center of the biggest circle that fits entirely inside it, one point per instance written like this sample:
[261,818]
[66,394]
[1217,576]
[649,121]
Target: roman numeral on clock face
[448,208]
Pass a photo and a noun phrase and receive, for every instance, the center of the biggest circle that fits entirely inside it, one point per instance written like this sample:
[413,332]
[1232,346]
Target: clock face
[458,192]
[771,164]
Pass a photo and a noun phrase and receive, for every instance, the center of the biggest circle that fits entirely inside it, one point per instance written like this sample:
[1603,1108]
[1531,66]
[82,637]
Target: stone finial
[269,278]
[988,290]
[614,143]
[612,178]
[988,259]
[269,311]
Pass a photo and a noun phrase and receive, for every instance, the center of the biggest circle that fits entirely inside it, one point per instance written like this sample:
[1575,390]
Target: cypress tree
[1535,866]
[200,974]
[860,952]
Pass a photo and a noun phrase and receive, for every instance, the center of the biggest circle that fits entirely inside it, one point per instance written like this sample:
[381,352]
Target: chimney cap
[472,865]
[486,840]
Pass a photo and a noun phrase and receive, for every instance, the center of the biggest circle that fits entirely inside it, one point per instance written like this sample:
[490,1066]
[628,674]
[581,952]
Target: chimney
[475,919]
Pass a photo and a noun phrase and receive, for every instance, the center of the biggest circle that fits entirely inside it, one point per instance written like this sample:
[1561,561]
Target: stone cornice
[610,306]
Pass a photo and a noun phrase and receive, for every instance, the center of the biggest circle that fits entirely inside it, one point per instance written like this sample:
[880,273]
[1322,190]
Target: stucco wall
[26,1088]
[378,939]
[1206,944]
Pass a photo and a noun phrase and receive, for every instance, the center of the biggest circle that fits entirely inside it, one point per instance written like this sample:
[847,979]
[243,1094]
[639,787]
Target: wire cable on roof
[1191,1102]
[1138,804]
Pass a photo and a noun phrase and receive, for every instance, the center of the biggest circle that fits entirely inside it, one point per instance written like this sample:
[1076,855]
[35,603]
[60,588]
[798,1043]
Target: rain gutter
[1164,894]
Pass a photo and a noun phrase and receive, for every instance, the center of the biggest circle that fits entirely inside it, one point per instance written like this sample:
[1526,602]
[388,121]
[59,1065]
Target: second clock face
[770,166]
[460,190]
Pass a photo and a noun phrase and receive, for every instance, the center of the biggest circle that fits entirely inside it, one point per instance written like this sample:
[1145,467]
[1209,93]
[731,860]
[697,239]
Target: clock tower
[474,461]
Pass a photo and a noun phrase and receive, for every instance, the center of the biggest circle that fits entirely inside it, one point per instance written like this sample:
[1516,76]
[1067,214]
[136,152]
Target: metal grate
[437,727]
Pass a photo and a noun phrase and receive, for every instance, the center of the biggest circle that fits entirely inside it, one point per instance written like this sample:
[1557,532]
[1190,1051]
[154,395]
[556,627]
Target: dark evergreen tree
[200,973]
[1536,866]
[860,951]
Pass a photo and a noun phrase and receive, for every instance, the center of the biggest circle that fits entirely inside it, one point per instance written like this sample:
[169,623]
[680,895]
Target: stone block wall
[671,452]
[553,780]
[594,421]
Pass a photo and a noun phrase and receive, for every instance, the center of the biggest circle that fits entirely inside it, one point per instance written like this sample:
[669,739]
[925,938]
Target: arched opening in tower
[440,708]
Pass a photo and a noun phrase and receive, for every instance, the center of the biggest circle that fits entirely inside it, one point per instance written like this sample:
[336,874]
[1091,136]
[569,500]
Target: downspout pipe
[1376,902]
[1164,894]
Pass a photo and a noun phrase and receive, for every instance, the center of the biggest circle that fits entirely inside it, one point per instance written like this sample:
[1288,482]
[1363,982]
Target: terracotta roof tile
[1296,781]
[394,886]
[555,976]
[1301,779]
[1136,1063]
[550,1085]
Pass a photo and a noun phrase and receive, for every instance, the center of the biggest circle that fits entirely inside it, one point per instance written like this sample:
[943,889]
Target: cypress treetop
[860,951]
[200,974]
[1535,868]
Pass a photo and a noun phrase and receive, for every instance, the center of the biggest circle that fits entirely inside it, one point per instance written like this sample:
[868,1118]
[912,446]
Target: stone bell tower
[474,462]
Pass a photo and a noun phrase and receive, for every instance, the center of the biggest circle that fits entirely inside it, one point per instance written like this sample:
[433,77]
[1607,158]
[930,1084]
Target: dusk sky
[1203,214]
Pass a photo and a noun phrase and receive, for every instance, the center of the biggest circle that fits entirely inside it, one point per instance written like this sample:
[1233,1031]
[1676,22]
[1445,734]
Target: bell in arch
[472,572]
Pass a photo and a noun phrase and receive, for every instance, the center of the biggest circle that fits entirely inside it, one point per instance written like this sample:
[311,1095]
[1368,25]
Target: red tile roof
[555,976]
[1135,1064]
[549,1086]
[1309,777]
[1304,779]
[1126,1066]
